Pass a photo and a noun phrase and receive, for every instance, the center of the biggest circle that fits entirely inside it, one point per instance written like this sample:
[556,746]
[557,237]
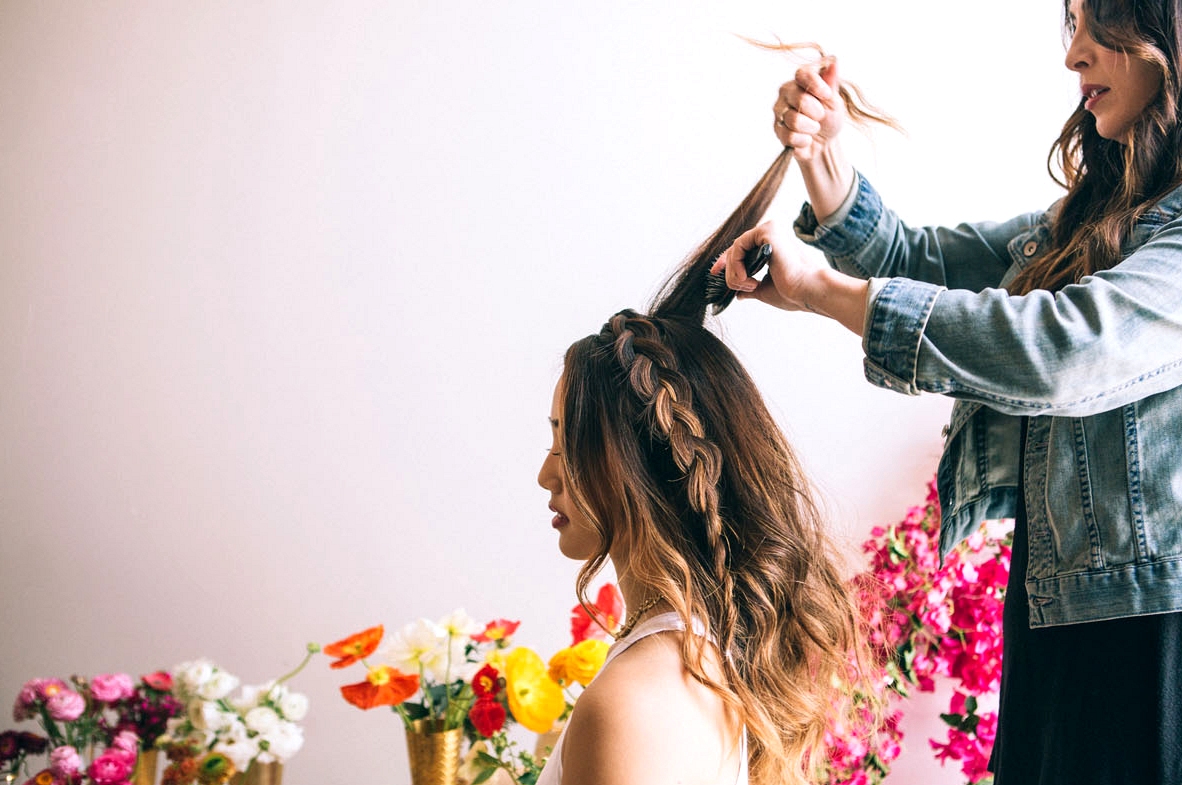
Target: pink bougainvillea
[930,621]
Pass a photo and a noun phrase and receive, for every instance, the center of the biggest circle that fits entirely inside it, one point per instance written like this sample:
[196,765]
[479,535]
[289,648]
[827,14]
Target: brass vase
[260,774]
[434,753]
[145,768]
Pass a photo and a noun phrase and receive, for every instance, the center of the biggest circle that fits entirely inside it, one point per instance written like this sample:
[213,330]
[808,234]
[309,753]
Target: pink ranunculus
[65,762]
[66,705]
[126,740]
[111,768]
[160,680]
[111,687]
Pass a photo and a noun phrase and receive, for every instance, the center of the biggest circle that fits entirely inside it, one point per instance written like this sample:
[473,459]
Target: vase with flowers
[451,680]
[230,732]
[517,687]
[87,736]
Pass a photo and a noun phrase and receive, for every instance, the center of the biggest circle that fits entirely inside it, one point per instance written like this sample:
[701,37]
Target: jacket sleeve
[1111,339]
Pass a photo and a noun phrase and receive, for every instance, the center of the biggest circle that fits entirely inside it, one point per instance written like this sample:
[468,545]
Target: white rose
[261,720]
[218,686]
[294,706]
[284,741]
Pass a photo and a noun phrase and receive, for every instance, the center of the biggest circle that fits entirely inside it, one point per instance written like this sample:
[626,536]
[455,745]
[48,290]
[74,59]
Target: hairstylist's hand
[809,110]
[793,282]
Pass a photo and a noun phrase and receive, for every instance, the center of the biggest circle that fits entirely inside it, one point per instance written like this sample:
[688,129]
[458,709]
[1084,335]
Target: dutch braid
[666,399]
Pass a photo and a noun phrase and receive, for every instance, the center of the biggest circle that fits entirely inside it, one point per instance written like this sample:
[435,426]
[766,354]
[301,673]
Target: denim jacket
[1096,367]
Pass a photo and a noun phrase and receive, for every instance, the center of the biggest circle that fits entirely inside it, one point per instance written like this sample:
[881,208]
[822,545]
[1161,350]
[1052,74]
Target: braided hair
[671,453]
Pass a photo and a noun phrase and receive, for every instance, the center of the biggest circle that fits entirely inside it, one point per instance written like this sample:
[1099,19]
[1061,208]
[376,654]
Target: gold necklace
[644,608]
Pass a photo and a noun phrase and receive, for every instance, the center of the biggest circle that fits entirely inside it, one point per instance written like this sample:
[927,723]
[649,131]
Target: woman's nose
[549,476]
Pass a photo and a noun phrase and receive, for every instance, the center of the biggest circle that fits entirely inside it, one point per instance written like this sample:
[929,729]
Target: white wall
[284,287]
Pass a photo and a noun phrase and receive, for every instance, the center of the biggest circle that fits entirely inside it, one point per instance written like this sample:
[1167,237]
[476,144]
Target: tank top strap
[669,621]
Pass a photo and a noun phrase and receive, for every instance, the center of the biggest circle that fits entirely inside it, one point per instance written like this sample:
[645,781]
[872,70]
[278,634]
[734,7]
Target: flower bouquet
[78,718]
[454,676]
[227,729]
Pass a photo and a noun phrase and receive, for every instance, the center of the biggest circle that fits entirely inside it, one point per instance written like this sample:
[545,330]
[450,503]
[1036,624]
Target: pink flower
[65,762]
[66,705]
[111,768]
[127,741]
[111,687]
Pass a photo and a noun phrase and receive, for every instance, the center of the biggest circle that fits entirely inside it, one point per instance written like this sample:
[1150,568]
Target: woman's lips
[1093,94]
[560,520]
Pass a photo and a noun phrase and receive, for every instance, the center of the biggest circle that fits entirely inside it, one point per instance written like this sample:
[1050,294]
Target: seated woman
[740,632]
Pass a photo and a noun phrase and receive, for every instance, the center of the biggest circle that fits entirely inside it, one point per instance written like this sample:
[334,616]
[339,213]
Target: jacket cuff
[896,314]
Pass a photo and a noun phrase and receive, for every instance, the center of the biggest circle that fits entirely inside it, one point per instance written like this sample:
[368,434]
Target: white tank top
[662,622]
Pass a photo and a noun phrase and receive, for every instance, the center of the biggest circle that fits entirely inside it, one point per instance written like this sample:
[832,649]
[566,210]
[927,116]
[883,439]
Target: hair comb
[718,294]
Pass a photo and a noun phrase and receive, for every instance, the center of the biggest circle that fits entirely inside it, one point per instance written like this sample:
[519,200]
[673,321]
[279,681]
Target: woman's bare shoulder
[644,719]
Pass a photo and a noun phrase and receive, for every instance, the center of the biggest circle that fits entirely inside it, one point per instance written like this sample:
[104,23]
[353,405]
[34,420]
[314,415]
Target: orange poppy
[383,686]
[355,647]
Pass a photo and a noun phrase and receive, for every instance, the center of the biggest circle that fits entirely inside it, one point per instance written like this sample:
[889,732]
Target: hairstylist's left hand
[793,282]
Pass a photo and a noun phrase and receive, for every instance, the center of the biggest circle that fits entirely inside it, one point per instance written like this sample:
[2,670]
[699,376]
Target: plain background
[284,289]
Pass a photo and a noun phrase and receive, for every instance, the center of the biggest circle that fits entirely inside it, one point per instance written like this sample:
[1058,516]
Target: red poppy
[487,681]
[383,686]
[487,715]
[355,647]
[607,611]
[497,630]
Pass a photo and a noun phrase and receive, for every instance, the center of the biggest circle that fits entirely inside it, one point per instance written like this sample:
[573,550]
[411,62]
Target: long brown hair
[1112,183]
[669,448]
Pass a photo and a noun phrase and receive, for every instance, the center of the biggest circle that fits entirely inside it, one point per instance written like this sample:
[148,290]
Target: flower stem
[312,649]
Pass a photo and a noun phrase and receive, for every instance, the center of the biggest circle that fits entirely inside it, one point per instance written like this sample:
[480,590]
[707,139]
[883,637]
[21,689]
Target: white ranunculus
[189,676]
[261,720]
[239,748]
[208,716]
[275,692]
[247,698]
[294,706]
[218,686]
[284,741]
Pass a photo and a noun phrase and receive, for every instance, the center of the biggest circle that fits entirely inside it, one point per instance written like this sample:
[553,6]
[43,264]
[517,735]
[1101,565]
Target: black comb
[718,294]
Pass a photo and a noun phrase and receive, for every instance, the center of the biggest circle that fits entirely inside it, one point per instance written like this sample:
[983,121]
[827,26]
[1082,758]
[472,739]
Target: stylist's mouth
[560,520]
[1091,93]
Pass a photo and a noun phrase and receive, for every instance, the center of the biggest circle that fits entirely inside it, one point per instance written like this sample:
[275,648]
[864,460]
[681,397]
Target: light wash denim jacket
[1097,368]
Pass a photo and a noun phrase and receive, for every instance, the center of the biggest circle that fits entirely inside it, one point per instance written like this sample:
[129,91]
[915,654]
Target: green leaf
[483,776]
[952,719]
[488,760]
[970,704]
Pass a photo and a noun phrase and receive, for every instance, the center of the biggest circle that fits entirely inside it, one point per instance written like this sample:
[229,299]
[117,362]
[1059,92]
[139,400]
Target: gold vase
[145,768]
[260,774]
[434,753]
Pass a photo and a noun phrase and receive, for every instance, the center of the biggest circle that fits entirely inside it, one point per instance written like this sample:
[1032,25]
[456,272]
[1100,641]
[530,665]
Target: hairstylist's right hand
[794,282]
[809,110]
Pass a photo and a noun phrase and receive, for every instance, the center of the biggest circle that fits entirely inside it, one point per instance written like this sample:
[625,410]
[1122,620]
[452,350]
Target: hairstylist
[1059,334]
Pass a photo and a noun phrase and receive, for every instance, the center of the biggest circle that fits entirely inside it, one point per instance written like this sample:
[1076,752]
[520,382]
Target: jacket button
[1029,248]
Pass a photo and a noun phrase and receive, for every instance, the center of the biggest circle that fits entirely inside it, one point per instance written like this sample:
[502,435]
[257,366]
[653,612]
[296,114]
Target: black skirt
[1087,704]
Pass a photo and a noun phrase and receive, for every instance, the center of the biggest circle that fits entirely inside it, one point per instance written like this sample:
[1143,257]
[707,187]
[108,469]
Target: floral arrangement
[108,713]
[454,673]
[929,619]
[227,727]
